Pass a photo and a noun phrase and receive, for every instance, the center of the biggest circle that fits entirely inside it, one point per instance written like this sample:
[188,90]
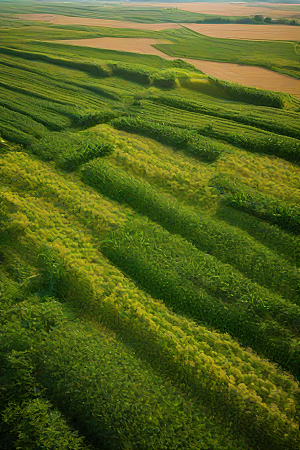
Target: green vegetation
[248,137]
[194,144]
[150,251]
[265,207]
[279,56]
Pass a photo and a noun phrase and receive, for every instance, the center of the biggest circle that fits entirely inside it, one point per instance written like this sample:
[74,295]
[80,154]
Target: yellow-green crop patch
[150,252]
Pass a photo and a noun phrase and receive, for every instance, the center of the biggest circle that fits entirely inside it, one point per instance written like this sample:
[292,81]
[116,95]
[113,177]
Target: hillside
[150,254]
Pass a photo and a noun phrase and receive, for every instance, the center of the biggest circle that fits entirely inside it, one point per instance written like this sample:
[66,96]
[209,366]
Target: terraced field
[149,255]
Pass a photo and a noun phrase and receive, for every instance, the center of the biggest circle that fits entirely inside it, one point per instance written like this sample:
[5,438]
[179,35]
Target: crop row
[187,140]
[69,397]
[186,180]
[40,113]
[247,137]
[69,150]
[131,311]
[34,85]
[206,234]
[19,128]
[118,399]
[56,73]
[251,94]
[228,284]
[53,105]
[265,120]
[134,72]
[263,206]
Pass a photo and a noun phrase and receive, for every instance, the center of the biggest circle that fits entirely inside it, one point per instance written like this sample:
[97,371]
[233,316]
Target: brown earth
[135,45]
[274,10]
[247,75]
[252,32]
[66,20]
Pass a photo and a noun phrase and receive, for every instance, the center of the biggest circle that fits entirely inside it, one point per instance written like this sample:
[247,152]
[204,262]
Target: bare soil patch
[135,45]
[248,32]
[66,20]
[274,10]
[249,76]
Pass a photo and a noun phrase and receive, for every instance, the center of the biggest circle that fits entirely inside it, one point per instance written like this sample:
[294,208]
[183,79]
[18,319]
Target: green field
[149,249]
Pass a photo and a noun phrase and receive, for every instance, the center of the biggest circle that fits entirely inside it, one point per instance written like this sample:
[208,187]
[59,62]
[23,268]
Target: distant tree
[282,21]
[268,20]
[244,20]
[258,18]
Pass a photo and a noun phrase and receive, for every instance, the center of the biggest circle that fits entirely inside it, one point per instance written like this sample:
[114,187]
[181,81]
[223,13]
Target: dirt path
[247,75]
[66,20]
[250,32]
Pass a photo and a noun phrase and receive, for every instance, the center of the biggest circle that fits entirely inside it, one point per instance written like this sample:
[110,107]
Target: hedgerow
[69,150]
[264,267]
[105,391]
[226,299]
[187,140]
[263,206]
[151,341]
[250,94]
[259,119]
[248,137]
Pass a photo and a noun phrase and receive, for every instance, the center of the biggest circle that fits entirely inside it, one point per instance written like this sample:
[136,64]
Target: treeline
[134,72]
[257,19]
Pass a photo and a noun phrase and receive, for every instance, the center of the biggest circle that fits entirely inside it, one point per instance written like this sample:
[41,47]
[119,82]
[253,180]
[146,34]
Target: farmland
[248,32]
[149,243]
[275,10]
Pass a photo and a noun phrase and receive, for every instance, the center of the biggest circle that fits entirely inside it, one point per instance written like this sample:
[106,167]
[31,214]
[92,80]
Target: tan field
[274,10]
[66,20]
[247,75]
[252,32]
[140,45]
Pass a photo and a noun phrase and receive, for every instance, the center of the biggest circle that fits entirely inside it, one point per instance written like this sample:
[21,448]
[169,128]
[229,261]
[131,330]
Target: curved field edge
[51,339]
[58,239]
[281,57]
[85,291]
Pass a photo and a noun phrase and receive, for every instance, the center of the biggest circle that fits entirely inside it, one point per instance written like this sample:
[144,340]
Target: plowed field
[123,44]
[249,32]
[249,76]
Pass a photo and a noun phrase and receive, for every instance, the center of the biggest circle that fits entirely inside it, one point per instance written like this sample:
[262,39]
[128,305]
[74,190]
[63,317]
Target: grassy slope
[278,56]
[154,15]
[148,331]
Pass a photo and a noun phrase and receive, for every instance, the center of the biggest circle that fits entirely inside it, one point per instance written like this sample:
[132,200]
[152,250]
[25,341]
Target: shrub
[38,425]
[250,95]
